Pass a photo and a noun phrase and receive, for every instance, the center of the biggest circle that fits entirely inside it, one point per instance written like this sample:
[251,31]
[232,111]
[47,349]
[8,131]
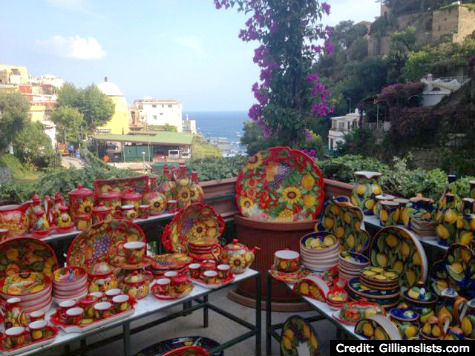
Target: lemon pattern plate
[345,221]
[280,184]
[398,248]
[298,338]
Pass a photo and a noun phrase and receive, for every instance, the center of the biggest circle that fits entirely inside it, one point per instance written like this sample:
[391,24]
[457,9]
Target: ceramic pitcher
[365,191]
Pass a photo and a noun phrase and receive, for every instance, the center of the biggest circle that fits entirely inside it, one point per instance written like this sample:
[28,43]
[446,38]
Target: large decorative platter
[171,261]
[298,338]
[191,224]
[138,184]
[26,254]
[103,242]
[456,270]
[280,184]
[346,222]
[398,248]
[25,283]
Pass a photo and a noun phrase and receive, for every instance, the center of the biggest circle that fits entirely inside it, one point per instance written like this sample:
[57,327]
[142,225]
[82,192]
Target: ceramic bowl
[286,261]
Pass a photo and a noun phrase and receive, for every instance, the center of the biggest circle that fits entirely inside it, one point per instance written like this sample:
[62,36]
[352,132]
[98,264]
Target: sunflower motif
[254,162]
[198,230]
[237,261]
[86,207]
[309,200]
[292,194]
[184,196]
[246,204]
[286,215]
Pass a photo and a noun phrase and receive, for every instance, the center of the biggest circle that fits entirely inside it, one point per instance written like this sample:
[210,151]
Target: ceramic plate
[171,261]
[172,344]
[298,338]
[346,222]
[398,248]
[289,277]
[280,184]
[139,184]
[25,283]
[192,223]
[103,242]
[26,254]
[356,287]
[174,296]
[69,276]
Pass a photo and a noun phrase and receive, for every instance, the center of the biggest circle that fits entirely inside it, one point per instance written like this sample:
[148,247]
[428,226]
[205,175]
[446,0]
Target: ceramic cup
[16,336]
[37,315]
[208,265]
[102,310]
[63,307]
[121,302]
[128,212]
[223,271]
[144,211]
[389,213]
[209,277]
[134,251]
[286,261]
[38,329]
[74,315]
[195,270]
[111,293]
[172,206]
[163,286]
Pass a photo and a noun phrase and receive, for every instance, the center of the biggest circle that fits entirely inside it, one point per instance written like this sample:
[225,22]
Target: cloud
[75,47]
[190,42]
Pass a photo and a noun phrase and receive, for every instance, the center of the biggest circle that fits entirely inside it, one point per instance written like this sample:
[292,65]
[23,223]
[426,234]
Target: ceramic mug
[286,261]
[102,310]
[163,286]
[389,213]
[63,307]
[223,271]
[209,277]
[172,206]
[195,270]
[144,211]
[134,251]
[37,315]
[128,212]
[111,293]
[208,265]
[121,303]
[74,315]
[38,329]
[16,336]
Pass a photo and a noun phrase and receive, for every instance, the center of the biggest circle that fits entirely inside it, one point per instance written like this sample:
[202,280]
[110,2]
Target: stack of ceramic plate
[33,288]
[319,251]
[177,262]
[69,283]
[350,265]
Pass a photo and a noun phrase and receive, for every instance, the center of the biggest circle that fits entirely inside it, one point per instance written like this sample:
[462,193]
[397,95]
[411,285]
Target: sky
[166,49]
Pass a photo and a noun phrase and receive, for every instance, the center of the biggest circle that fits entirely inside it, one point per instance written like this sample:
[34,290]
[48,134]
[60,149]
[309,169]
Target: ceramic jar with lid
[406,320]
[81,201]
[379,199]
[157,201]
[83,221]
[41,227]
[101,213]
[403,211]
[129,197]
[137,284]
[111,199]
[64,221]
[102,277]
[365,191]
[465,317]
[238,256]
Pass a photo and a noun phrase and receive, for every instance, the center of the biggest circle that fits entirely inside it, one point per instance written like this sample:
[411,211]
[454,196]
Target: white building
[189,126]
[436,89]
[47,79]
[342,125]
[159,112]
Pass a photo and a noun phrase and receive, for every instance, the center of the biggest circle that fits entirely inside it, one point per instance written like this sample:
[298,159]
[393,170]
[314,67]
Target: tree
[96,107]
[289,94]
[253,138]
[13,117]
[33,146]
[68,122]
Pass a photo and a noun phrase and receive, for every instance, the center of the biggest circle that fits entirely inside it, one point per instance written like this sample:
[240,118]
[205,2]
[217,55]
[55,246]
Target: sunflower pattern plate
[26,254]
[298,338]
[192,223]
[280,184]
[345,221]
[456,270]
[103,242]
[397,248]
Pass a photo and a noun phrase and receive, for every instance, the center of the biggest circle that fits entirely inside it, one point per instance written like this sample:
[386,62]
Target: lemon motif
[467,326]
[411,277]
[410,331]
[382,259]
[287,343]
[304,288]
[465,255]
[313,341]
[466,238]
[307,181]
[347,217]
[380,334]
[392,241]
[360,189]
[354,201]
[383,216]
[398,266]
[368,330]
[289,334]
[442,232]
[328,223]
[405,249]
[369,204]
[350,241]
[426,329]
[450,216]
[416,259]
[436,332]
[339,232]
[309,200]
[457,267]
[405,217]
[306,331]
[376,189]
[460,222]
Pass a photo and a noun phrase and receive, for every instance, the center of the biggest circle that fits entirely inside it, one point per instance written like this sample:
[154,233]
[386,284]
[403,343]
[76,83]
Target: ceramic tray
[26,254]
[289,277]
[398,248]
[31,346]
[103,241]
[69,329]
[159,296]
[280,184]
[346,222]
[139,184]
[218,284]
[298,338]
[192,223]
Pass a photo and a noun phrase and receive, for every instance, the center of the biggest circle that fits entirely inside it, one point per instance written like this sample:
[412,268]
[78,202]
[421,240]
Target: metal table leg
[126,331]
[269,314]
[205,311]
[258,314]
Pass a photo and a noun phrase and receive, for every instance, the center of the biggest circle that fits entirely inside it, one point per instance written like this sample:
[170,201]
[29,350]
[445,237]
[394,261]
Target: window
[169,105]
[154,106]
[155,117]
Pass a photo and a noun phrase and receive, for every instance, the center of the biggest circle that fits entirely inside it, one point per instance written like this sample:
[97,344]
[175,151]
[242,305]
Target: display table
[197,299]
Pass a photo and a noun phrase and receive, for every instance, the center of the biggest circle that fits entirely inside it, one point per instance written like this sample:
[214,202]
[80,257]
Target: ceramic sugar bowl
[238,256]
[102,277]
[137,284]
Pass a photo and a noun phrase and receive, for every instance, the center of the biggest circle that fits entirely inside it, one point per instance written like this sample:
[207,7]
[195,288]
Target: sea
[221,124]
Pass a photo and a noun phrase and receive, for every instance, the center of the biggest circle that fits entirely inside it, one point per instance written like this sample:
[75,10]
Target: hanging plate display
[192,224]
[26,254]
[298,338]
[103,242]
[346,222]
[280,184]
[398,248]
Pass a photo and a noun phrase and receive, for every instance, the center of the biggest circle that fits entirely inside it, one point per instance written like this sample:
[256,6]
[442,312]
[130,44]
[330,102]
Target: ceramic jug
[465,316]
[466,224]
[365,191]
[448,209]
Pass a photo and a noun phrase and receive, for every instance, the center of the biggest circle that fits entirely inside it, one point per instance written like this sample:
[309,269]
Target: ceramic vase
[365,191]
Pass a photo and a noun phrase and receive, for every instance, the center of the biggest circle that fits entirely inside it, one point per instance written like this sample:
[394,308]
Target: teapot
[238,256]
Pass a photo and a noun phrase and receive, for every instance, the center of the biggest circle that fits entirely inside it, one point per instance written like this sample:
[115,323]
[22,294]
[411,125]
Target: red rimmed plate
[168,296]
[103,242]
[191,224]
[222,282]
[280,184]
[22,254]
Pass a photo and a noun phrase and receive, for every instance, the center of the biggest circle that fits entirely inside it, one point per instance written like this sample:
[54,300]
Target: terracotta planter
[270,237]
[335,188]
[220,195]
